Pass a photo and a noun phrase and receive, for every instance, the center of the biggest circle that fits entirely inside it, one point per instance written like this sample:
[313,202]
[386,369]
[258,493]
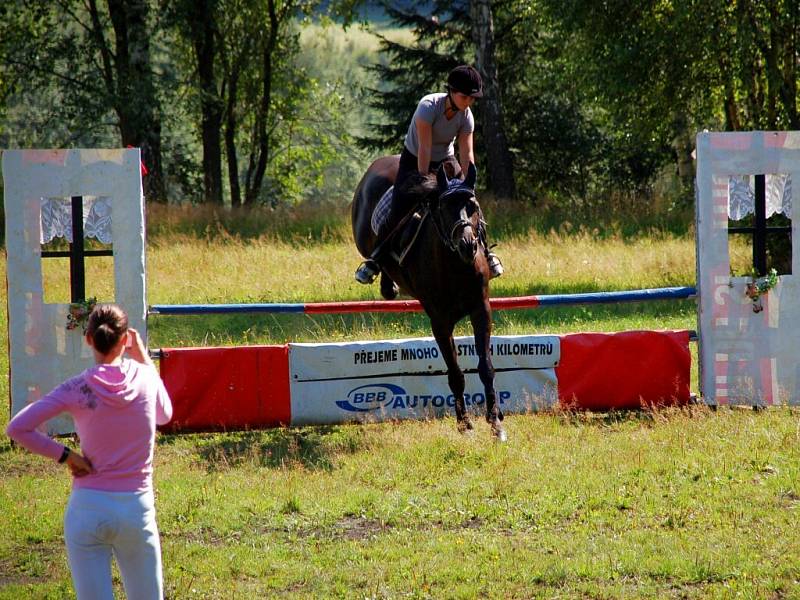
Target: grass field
[670,504]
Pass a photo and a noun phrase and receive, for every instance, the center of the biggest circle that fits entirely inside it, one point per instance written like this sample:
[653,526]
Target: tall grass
[308,256]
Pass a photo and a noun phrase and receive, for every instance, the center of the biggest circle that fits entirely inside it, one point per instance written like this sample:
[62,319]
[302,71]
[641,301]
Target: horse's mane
[418,186]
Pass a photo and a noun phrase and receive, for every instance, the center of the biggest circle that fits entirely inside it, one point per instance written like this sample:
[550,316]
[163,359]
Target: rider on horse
[439,120]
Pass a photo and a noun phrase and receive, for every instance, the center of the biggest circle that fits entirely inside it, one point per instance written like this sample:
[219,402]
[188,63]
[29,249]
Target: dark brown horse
[446,269]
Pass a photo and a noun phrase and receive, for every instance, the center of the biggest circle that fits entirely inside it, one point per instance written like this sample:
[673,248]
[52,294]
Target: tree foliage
[229,105]
[603,95]
[76,70]
[218,78]
[664,69]
[441,42]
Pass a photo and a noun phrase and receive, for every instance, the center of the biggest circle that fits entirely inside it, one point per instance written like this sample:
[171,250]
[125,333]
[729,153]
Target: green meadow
[687,503]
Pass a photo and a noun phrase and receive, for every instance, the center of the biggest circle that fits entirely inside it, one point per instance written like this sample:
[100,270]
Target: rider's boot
[495,266]
[367,272]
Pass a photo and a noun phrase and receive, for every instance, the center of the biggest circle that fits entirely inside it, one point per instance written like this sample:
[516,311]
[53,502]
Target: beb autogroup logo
[388,396]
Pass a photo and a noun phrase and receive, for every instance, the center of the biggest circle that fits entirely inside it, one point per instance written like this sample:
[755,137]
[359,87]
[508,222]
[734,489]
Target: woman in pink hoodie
[116,406]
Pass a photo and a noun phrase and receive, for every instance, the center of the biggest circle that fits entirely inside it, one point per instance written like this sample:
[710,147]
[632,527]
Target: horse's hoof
[465,426]
[390,293]
[499,434]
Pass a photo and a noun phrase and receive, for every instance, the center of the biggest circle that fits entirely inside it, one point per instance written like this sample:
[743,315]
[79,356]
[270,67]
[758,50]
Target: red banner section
[216,389]
[626,370]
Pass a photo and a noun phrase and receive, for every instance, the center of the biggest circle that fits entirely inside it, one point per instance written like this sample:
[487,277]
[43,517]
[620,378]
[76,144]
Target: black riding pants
[409,164]
[402,204]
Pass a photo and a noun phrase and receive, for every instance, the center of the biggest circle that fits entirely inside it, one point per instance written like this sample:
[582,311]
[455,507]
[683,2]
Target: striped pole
[669,293]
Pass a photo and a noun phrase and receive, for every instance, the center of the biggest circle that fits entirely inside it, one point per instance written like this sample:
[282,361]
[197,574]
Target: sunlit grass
[269,268]
[686,503]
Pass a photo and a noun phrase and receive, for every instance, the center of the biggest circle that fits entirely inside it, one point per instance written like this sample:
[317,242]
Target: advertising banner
[403,379]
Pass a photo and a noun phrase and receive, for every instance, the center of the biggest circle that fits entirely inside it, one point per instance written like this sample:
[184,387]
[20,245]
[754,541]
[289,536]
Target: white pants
[98,523]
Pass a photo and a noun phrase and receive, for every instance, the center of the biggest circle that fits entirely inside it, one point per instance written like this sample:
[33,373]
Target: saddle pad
[381,212]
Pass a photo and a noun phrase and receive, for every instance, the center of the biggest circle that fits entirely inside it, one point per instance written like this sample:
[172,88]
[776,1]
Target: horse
[444,268]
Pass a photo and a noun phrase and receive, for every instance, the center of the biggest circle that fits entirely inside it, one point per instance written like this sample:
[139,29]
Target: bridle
[451,240]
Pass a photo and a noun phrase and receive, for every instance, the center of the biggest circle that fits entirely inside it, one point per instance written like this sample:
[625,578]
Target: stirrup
[495,266]
[367,272]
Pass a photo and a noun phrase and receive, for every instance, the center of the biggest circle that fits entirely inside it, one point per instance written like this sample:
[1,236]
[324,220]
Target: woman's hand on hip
[78,464]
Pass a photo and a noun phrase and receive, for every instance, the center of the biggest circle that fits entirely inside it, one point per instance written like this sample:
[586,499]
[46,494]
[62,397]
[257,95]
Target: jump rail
[669,293]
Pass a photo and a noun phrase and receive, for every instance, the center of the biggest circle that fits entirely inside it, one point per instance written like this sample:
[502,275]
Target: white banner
[401,379]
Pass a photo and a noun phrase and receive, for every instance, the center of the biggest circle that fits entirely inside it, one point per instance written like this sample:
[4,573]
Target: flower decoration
[759,286]
[78,315]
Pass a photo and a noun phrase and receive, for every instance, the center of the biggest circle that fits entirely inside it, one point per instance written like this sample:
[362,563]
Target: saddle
[398,242]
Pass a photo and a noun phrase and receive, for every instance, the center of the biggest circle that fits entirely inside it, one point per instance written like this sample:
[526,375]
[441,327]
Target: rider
[439,120]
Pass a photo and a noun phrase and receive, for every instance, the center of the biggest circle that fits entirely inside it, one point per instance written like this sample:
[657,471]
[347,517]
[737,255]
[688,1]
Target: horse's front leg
[482,327]
[455,377]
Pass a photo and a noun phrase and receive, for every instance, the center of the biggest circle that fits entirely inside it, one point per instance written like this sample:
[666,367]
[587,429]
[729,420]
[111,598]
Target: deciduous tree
[81,61]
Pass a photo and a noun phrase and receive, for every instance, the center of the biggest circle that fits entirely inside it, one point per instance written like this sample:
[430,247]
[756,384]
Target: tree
[71,68]
[85,72]
[238,50]
[197,22]
[666,69]
[498,157]
[268,46]
[136,101]
[407,73]
[235,51]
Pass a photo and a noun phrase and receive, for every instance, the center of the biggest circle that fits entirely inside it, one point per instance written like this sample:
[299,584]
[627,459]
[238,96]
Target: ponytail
[107,324]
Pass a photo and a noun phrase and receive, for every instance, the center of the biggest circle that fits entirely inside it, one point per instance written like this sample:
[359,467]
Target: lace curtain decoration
[57,218]
[742,195]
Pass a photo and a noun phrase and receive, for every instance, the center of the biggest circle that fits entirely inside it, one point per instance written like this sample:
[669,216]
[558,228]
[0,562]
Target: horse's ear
[472,176]
[441,178]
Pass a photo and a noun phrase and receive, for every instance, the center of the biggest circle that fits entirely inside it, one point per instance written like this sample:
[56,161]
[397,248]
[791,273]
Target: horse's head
[457,214]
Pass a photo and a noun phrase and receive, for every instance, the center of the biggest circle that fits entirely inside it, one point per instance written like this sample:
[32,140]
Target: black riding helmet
[467,80]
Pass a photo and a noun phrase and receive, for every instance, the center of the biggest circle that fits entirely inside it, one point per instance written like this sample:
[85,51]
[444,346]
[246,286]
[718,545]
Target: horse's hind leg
[389,289]
[482,328]
[455,377]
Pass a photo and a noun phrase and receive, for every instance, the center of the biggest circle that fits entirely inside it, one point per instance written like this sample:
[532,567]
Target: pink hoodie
[115,409]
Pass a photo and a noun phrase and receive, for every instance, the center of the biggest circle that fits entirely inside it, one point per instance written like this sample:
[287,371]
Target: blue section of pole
[220,309]
[671,293]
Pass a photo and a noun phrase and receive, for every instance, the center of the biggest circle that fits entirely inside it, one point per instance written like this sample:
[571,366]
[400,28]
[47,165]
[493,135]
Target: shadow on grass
[314,448]
[6,446]
[35,562]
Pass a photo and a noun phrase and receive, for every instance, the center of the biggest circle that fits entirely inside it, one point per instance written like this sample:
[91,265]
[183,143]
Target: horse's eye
[472,206]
